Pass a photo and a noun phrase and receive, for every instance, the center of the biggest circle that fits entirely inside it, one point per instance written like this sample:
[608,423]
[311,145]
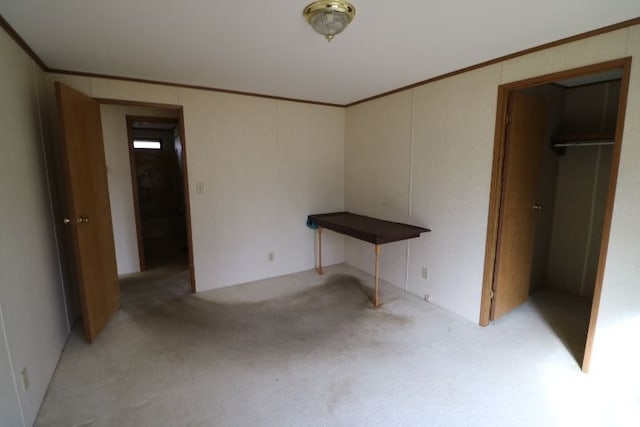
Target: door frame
[185,175]
[500,142]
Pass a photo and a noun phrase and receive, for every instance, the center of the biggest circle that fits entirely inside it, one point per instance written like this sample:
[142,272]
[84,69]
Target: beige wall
[264,166]
[424,156]
[377,177]
[33,325]
[443,133]
[116,149]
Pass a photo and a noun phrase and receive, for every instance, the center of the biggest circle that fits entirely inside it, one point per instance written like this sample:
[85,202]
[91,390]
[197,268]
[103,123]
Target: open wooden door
[88,212]
[518,209]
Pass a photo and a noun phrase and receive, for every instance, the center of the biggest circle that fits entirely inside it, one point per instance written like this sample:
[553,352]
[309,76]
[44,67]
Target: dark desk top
[365,228]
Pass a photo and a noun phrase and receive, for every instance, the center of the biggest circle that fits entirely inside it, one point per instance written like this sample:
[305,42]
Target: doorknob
[537,208]
[80,220]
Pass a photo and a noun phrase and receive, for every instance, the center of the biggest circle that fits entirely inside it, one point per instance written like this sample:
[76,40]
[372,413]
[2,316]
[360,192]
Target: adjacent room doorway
[157,177]
[556,155]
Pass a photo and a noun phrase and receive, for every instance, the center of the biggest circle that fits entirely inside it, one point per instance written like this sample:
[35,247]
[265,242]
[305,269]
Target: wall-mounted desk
[365,228]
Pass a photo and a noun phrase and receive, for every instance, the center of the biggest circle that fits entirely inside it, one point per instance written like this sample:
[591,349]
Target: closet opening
[556,156]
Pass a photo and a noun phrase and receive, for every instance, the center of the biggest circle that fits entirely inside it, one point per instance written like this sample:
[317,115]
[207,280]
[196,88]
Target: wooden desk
[365,228]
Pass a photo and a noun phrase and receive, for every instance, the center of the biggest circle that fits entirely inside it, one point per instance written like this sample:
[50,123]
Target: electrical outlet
[425,273]
[200,188]
[25,379]
[427,298]
[271,256]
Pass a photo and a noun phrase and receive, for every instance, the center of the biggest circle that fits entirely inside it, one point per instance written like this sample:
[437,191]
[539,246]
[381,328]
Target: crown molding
[23,44]
[549,45]
[20,41]
[188,86]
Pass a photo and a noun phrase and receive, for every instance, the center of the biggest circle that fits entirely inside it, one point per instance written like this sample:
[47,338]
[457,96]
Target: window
[148,144]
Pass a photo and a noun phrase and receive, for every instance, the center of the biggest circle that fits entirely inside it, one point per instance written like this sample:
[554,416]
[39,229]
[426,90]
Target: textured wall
[378,176]
[33,324]
[424,156]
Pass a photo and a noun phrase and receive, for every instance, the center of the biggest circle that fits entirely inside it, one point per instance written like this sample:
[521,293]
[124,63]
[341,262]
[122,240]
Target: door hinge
[507,120]
[492,295]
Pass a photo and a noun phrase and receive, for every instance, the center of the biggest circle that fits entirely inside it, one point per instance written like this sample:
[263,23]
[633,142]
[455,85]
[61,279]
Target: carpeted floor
[308,350]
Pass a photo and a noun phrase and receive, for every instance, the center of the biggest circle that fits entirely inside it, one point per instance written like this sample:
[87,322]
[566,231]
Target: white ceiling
[266,47]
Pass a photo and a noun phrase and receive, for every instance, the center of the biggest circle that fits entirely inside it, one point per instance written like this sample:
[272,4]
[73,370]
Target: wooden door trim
[127,103]
[496,185]
[187,205]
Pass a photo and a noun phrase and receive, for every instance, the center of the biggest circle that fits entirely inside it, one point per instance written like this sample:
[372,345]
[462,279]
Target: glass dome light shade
[329,18]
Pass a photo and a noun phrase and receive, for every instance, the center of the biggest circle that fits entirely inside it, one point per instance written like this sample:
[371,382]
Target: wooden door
[88,213]
[516,229]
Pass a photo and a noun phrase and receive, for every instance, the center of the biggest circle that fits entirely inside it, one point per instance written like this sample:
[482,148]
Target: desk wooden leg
[319,267]
[376,296]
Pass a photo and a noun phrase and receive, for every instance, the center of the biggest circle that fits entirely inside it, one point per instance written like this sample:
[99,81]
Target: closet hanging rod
[582,144]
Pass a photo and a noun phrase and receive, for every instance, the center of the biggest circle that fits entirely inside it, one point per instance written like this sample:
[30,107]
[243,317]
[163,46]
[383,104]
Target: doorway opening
[556,157]
[148,186]
[155,153]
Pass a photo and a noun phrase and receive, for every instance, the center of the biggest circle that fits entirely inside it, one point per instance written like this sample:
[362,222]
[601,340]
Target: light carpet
[309,350]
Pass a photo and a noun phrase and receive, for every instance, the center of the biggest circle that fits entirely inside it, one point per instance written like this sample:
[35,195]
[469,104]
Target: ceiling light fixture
[329,17]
